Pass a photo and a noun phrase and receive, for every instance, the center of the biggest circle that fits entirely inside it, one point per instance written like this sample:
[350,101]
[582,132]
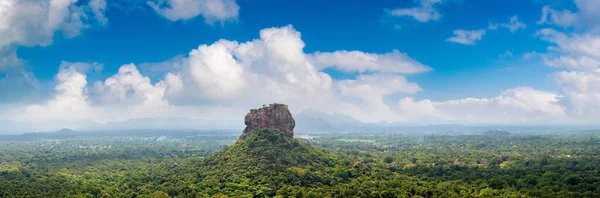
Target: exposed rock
[275,116]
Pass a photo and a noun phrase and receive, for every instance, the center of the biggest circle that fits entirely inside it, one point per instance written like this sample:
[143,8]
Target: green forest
[152,164]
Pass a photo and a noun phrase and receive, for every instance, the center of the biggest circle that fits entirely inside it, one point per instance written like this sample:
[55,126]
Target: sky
[524,62]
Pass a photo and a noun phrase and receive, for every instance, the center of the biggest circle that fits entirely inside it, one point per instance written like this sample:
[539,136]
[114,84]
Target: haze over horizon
[422,61]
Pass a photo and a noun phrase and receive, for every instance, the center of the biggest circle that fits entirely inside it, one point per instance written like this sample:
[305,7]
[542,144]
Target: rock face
[274,116]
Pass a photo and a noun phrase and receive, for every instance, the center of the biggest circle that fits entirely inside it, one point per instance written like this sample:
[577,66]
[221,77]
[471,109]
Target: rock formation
[274,116]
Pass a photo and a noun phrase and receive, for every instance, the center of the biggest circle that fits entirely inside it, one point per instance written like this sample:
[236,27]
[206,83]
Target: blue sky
[505,68]
[140,36]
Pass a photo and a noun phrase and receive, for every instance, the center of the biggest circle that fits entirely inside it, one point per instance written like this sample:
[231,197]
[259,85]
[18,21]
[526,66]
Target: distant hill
[68,133]
[13,127]
[497,133]
[316,121]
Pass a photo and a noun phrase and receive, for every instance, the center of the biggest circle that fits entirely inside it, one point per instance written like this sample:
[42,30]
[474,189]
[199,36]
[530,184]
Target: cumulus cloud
[578,51]
[211,10]
[395,61]
[579,55]
[522,105]
[125,95]
[374,87]
[228,76]
[586,16]
[581,93]
[371,90]
[30,23]
[223,79]
[561,18]
[425,12]
[70,101]
[467,37]
[215,70]
[584,63]
[35,23]
[128,87]
[273,66]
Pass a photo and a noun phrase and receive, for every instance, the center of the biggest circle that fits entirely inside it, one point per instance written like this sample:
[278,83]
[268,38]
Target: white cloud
[30,23]
[513,25]
[561,18]
[70,101]
[424,12]
[16,82]
[583,44]
[374,87]
[211,10]
[528,55]
[215,70]
[371,90]
[129,86]
[395,61]
[522,105]
[422,108]
[581,94]
[225,75]
[222,80]
[580,63]
[578,51]
[35,23]
[98,7]
[273,66]
[467,37]
[9,59]
[587,15]
[125,95]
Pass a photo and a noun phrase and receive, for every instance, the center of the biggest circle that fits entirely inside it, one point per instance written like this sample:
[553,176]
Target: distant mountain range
[316,121]
[306,121]
[13,127]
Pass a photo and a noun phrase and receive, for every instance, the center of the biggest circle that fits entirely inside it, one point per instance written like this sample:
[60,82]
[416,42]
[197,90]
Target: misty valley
[267,163]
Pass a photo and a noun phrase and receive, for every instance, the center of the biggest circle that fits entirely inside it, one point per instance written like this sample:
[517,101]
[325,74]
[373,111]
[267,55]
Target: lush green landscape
[269,164]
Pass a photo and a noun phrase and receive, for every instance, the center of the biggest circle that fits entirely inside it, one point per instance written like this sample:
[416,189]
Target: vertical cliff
[274,116]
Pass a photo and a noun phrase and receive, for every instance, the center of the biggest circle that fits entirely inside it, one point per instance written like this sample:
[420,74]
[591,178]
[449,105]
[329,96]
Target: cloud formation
[587,15]
[578,54]
[223,79]
[513,25]
[30,23]
[395,61]
[35,23]
[211,10]
[425,12]
[521,105]
[467,37]
[227,75]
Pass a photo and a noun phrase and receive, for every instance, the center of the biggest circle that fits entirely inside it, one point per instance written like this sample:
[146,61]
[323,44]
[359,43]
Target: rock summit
[274,116]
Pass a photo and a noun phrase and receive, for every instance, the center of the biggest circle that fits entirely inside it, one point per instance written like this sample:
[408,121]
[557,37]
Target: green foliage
[269,164]
[270,106]
[267,157]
